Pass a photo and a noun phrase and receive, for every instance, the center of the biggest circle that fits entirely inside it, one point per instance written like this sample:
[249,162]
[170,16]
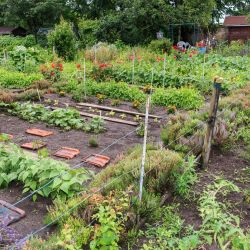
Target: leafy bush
[160,163]
[96,125]
[186,131]
[86,30]
[8,43]
[235,48]
[23,58]
[110,218]
[14,79]
[52,72]
[161,45]
[63,38]
[34,173]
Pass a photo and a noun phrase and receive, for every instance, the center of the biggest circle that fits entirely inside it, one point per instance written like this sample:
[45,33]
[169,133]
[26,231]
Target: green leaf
[65,187]
[26,190]
[56,183]
[34,197]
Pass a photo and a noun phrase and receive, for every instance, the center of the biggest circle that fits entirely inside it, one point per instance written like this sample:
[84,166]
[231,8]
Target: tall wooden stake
[164,70]
[133,68]
[84,79]
[144,147]
[211,121]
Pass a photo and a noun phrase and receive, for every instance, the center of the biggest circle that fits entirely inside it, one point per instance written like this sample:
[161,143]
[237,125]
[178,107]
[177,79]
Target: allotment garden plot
[71,149]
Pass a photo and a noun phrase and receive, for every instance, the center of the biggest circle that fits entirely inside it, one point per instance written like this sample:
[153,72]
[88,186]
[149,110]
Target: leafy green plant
[110,219]
[34,173]
[28,111]
[140,129]
[17,79]
[8,43]
[64,118]
[219,225]
[159,165]
[167,233]
[115,102]
[185,177]
[23,58]
[70,229]
[93,142]
[161,45]
[100,98]
[96,125]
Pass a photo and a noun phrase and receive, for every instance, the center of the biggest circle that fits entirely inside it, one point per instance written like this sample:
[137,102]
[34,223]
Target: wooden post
[84,79]
[54,51]
[133,68]
[164,70]
[5,55]
[211,121]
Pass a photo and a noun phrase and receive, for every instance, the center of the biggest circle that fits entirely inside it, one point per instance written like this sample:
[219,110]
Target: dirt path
[35,211]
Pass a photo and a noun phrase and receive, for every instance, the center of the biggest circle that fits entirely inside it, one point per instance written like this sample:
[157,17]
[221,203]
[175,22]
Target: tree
[231,7]
[137,21]
[33,14]
[63,38]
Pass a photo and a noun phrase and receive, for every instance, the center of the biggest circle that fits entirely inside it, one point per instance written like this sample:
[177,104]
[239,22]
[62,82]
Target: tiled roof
[6,30]
[236,21]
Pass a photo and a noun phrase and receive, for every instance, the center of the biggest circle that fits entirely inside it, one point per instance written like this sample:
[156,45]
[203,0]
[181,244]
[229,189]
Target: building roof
[6,30]
[236,21]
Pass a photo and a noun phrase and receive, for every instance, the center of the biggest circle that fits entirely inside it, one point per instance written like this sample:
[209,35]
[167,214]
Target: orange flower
[53,65]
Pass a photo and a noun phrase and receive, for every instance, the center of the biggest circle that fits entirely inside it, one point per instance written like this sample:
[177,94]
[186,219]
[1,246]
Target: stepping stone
[67,153]
[34,145]
[38,132]
[97,160]
[9,214]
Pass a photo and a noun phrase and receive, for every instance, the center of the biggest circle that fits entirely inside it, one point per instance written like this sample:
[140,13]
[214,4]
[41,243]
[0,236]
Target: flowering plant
[53,72]
[101,71]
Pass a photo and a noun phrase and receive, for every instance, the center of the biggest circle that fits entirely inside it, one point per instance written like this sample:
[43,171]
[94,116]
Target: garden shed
[237,28]
[19,31]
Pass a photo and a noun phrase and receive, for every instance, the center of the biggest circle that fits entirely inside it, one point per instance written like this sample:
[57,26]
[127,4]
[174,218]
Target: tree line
[131,21]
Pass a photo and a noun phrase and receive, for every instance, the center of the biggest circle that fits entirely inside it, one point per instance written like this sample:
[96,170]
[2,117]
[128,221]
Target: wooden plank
[110,119]
[116,110]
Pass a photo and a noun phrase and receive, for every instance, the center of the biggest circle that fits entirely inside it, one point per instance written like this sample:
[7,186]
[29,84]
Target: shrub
[86,30]
[63,38]
[235,48]
[160,163]
[6,96]
[162,45]
[101,52]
